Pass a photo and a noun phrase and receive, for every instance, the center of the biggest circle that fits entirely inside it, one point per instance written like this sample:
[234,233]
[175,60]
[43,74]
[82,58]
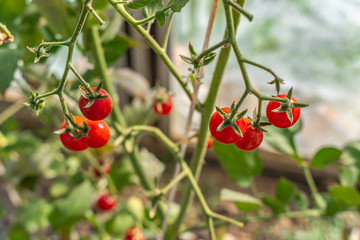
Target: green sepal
[193,54]
[208,59]
[299,105]
[289,114]
[289,94]
[37,105]
[90,103]
[236,129]
[61,131]
[240,115]
[277,81]
[223,114]
[187,59]
[98,88]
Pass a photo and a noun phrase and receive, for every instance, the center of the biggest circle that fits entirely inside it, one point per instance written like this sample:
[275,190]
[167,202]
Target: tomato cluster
[99,133]
[250,140]
[280,119]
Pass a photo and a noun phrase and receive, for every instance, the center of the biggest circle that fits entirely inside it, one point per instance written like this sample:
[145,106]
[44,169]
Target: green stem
[98,52]
[259,66]
[241,10]
[85,84]
[154,45]
[199,154]
[311,183]
[167,33]
[173,182]
[212,48]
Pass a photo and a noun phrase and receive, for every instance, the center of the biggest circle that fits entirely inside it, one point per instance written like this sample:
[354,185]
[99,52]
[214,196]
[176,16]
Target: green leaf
[137,4]
[285,190]
[116,48]
[9,10]
[276,206]
[301,201]
[56,16]
[8,64]
[325,156]
[351,154]
[73,207]
[243,201]
[282,139]
[122,174]
[58,189]
[33,216]
[177,5]
[112,28]
[18,234]
[152,8]
[346,195]
[241,166]
[348,176]
[160,17]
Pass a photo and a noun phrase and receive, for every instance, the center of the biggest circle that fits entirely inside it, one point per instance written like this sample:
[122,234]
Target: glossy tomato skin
[210,143]
[251,139]
[68,140]
[280,119]
[99,134]
[105,202]
[163,107]
[227,135]
[99,110]
[135,233]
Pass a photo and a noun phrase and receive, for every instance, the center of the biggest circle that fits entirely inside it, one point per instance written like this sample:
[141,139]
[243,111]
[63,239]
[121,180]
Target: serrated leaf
[152,8]
[346,195]
[177,5]
[240,166]
[284,191]
[276,206]
[243,201]
[8,65]
[137,4]
[160,17]
[325,156]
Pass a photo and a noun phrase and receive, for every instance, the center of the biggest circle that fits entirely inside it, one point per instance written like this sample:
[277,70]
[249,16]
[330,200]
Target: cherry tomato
[251,138]
[99,110]
[99,134]
[163,104]
[105,202]
[210,143]
[280,119]
[135,233]
[68,140]
[227,135]
[104,168]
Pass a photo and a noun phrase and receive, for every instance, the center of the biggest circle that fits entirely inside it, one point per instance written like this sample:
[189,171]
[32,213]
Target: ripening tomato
[68,140]
[251,138]
[104,168]
[99,110]
[210,143]
[227,135]
[163,104]
[280,119]
[135,233]
[105,202]
[99,134]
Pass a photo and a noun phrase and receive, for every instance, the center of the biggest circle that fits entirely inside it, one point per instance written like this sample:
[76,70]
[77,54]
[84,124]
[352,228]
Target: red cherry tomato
[68,140]
[163,104]
[210,143]
[252,137]
[105,202]
[99,134]
[280,119]
[227,135]
[99,110]
[104,168]
[135,233]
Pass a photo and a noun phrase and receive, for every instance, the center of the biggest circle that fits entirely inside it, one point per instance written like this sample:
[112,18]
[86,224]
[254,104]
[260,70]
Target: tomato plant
[104,168]
[251,138]
[99,109]
[227,135]
[281,119]
[98,135]
[68,140]
[106,202]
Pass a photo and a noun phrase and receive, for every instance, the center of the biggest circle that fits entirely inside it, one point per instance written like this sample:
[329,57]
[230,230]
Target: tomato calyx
[288,105]
[40,52]
[277,81]
[35,103]
[74,129]
[196,60]
[256,123]
[230,119]
[91,95]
